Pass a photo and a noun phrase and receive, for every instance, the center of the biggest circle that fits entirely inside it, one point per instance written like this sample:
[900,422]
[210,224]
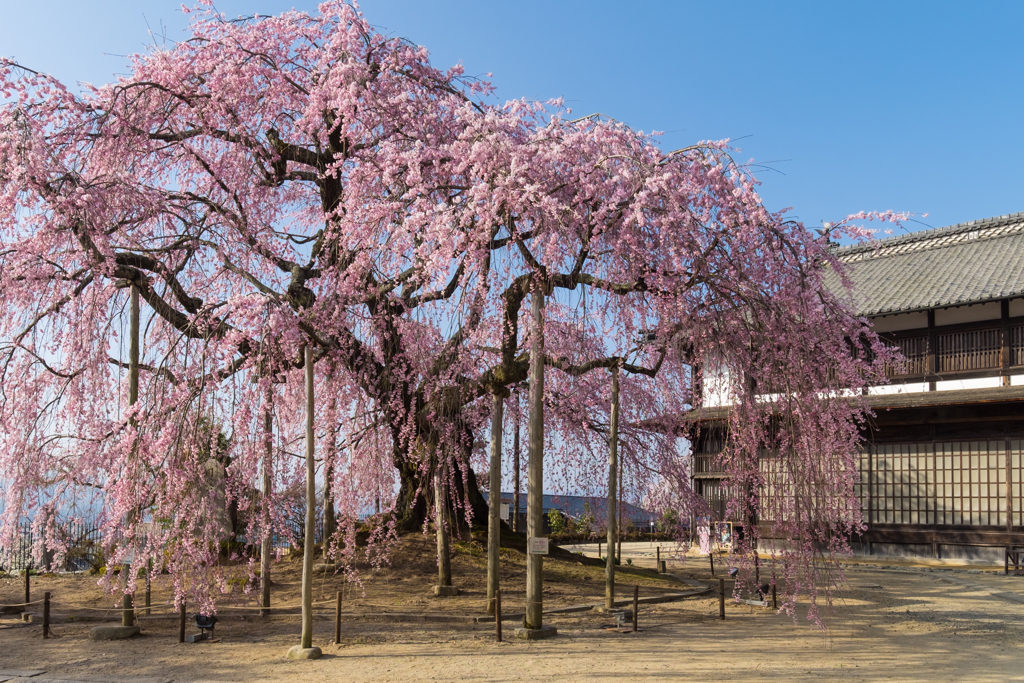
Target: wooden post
[657,561]
[149,587]
[337,622]
[266,547]
[515,473]
[721,598]
[127,613]
[711,556]
[494,497]
[775,599]
[181,622]
[636,605]
[618,526]
[613,468]
[46,614]
[599,549]
[306,641]
[1005,347]
[444,560]
[28,587]
[933,358]
[497,614]
[127,610]
[535,513]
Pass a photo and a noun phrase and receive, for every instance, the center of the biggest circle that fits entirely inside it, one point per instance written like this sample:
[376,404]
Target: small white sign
[537,545]
[503,513]
[757,603]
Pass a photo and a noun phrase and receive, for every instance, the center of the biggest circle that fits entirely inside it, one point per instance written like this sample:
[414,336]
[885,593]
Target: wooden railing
[915,354]
[970,350]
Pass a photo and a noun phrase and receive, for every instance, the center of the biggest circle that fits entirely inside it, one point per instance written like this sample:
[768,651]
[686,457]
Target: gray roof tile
[960,264]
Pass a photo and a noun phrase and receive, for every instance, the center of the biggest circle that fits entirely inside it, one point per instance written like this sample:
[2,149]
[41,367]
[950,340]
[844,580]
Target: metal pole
[307,553]
[535,513]
[636,605]
[613,465]
[337,622]
[494,498]
[181,622]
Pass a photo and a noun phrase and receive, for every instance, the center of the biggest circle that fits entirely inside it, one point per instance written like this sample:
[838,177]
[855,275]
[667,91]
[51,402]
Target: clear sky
[912,106]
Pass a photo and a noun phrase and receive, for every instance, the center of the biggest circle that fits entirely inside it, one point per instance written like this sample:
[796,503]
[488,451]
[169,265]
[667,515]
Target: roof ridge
[887,243]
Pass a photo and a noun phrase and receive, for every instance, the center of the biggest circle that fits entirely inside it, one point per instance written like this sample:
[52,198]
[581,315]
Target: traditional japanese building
[941,470]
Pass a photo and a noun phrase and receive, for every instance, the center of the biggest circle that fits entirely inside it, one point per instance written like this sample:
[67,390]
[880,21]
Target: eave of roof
[962,264]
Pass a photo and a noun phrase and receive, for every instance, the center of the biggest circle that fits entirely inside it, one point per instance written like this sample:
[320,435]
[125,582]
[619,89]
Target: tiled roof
[960,264]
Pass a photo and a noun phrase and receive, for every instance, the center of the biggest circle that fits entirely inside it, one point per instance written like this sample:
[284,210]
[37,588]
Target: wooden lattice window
[969,350]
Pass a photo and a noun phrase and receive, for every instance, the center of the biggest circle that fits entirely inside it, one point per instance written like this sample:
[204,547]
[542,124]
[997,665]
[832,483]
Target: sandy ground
[890,625]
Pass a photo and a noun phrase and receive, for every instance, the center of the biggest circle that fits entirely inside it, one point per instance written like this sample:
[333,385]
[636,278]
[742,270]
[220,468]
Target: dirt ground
[889,626]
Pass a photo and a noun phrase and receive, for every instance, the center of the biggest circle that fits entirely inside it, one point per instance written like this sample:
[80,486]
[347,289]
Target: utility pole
[613,466]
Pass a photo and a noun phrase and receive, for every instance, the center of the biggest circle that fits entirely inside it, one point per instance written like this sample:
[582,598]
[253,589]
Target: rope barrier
[21,604]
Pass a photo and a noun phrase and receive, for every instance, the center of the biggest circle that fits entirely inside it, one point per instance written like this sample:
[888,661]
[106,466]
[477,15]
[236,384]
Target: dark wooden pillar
[933,360]
[1004,355]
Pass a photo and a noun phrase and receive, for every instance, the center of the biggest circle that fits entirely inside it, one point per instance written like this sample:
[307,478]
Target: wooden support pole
[721,598]
[266,547]
[636,605]
[599,550]
[775,599]
[28,586]
[127,613]
[337,622]
[711,556]
[494,497]
[613,466]
[514,517]
[149,587]
[306,640]
[46,614]
[181,622]
[497,614]
[657,561]
[534,618]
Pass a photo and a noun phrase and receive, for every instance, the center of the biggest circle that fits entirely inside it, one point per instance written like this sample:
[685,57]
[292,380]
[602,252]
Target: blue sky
[913,106]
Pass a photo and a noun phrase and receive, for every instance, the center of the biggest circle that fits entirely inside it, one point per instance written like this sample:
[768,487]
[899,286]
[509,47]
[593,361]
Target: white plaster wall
[899,388]
[976,383]
[1016,307]
[967,314]
[903,321]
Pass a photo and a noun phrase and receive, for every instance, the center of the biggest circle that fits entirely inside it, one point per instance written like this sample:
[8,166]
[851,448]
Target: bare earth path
[891,626]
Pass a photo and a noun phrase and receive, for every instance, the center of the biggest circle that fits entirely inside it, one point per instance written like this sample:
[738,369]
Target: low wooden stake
[46,614]
[711,556]
[28,587]
[775,601]
[657,566]
[636,605]
[497,614]
[148,587]
[337,622]
[181,622]
[721,598]
[599,550]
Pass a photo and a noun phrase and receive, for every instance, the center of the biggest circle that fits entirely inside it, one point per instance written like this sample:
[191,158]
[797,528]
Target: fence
[82,540]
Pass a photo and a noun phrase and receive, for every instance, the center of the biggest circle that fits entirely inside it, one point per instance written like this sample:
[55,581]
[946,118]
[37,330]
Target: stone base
[446,591]
[113,632]
[322,567]
[536,633]
[11,609]
[26,617]
[299,652]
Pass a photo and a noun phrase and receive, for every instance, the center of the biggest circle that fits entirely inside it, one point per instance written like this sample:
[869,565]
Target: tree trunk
[494,498]
[444,560]
[307,552]
[613,467]
[535,513]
